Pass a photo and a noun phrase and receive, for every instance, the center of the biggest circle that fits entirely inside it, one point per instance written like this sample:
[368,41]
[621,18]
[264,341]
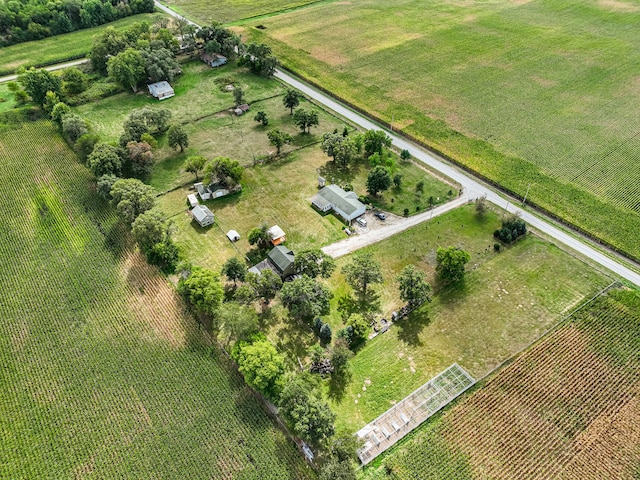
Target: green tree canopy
[261,365]
[450,262]
[145,120]
[305,298]
[262,117]
[225,171]
[265,285]
[375,141]
[131,197]
[58,111]
[291,99]
[278,139]
[236,322]
[359,328]
[73,127]
[141,158]
[104,160]
[234,269]
[38,82]
[414,288]
[150,228]
[378,180]
[305,119]
[177,137]
[159,64]
[314,263]
[203,290]
[74,81]
[127,68]
[362,271]
[259,236]
[194,164]
[260,59]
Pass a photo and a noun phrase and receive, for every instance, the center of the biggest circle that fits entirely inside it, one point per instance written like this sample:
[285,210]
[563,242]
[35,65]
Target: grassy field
[104,372]
[566,408]
[7,100]
[506,301]
[204,12]
[60,47]
[527,93]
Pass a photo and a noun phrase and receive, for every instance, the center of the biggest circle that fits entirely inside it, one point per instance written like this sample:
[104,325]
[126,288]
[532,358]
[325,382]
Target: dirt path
[396,225]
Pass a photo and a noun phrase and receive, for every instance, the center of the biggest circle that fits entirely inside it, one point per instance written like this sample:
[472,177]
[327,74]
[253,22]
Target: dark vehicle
[381,215]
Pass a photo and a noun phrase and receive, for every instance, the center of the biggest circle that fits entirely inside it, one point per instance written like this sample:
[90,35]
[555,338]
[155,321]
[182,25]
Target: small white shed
[233,236]
[192,199]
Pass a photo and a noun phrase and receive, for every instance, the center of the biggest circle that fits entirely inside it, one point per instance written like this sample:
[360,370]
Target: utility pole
[526,194]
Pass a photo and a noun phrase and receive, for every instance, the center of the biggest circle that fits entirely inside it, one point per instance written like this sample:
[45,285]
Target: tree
[104,186]
[262,117]
[159,64]
[259,236]
[236,321]
[375,141]
[414,289]
[397,180]
[259,58]
[203,290]
[225,171]
[127,68]
[85,145]
[336,469]
[105,45]
[303,409]
[58,111]
[405,155]
[51,99]
[305,298]
[378,180]
[313,263]
[74,81]
[278,139]
[234,269]
[145,120]
[341,149]
[73,127]
[363,271]
[304,119]
[149,229]
[325,333]
[104,160]
[165,255]
[512,229]
[261,365]
[265,285]
[131,197]
[194,164]
[340,356]
[359,328]
[481,205]
[450,262]
[38,82]
[238,95]
[291,100]
[177,137]
[141,157]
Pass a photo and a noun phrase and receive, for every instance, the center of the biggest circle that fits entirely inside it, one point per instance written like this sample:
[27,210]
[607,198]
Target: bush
[511,230]
[496,247]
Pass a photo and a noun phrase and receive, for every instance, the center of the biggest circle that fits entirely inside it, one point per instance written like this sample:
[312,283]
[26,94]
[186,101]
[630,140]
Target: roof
[192,199]
[210,57]
[201,213]
[281,257]
[244,107]
[233,235]
[321,202]
[346,201]
[263,265]
[160,88]
[275,232]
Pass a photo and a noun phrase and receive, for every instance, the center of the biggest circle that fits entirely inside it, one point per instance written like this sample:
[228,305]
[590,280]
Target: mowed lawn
[506,301]
[204,12]
[572,399]
[61,47]
[104,371]
[531,94]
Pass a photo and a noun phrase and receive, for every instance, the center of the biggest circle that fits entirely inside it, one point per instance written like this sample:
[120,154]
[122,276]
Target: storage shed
[161,90]
[192,199]
[277,235]
[233,236]
[202,215]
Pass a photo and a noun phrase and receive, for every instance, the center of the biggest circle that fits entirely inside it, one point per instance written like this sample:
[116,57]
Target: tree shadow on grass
[411,326]
[338,384]
[367,306]
[451,293]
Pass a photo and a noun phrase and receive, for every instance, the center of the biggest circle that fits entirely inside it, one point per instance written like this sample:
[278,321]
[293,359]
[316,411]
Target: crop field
[507,300]
[105,374]
[530,94]
[204,12]
[60,47]
[569,407]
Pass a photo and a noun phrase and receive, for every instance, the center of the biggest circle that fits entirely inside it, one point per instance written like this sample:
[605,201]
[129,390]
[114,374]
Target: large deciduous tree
[259,236]
[260,59]
[378,180]
[195,164]
[375,141]
[234,269]
[73,127]
[203,290]
[414,288]
[340,148]
[305,119]
[278,139]
[450,262]
[131,197]
[225,171]
[141,157]
[159,64]
[127,68]
[265,285]
[104,160]
[291,100]
[362,272]
[145,120]
[305,298]
[314,263]
[261,365]
[38,82]
[177,137]
[150,228]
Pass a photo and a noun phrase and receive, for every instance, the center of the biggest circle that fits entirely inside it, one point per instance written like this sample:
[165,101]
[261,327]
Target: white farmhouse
[345,204]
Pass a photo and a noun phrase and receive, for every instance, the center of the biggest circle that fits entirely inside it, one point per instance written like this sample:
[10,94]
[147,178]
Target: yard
[506,301]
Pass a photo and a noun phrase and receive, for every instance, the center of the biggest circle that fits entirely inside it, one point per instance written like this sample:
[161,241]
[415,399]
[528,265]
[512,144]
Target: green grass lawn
[539,94]
[60,47]
[226,11]
[7,100]
[506,301]
[104,371]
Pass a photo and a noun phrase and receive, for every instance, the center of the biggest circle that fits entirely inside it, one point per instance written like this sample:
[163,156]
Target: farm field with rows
[568,408]
[61,47]
[537,96]
[105,373]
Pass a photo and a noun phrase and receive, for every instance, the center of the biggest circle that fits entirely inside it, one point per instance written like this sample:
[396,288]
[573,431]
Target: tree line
[26,20]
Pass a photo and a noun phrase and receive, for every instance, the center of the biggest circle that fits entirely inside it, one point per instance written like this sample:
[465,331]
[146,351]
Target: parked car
[362,222]
[381,215]
[347,231]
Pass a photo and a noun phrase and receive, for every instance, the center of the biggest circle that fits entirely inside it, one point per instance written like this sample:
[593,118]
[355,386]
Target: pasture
[105,373]
[507,300]
[565,408]
[529,94]
[60,47]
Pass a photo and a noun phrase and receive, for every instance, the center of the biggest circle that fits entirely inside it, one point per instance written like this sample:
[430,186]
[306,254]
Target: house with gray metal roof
[202,215]
[345,204]
[161,90]
[279,259]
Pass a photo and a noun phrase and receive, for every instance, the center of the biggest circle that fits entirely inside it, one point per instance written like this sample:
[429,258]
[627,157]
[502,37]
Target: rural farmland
[552,110]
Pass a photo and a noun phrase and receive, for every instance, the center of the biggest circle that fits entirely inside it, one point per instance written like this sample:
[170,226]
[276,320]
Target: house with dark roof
[213,190]
[202,215]
[161,90]
[213,59]
[345,204]
[279,259]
